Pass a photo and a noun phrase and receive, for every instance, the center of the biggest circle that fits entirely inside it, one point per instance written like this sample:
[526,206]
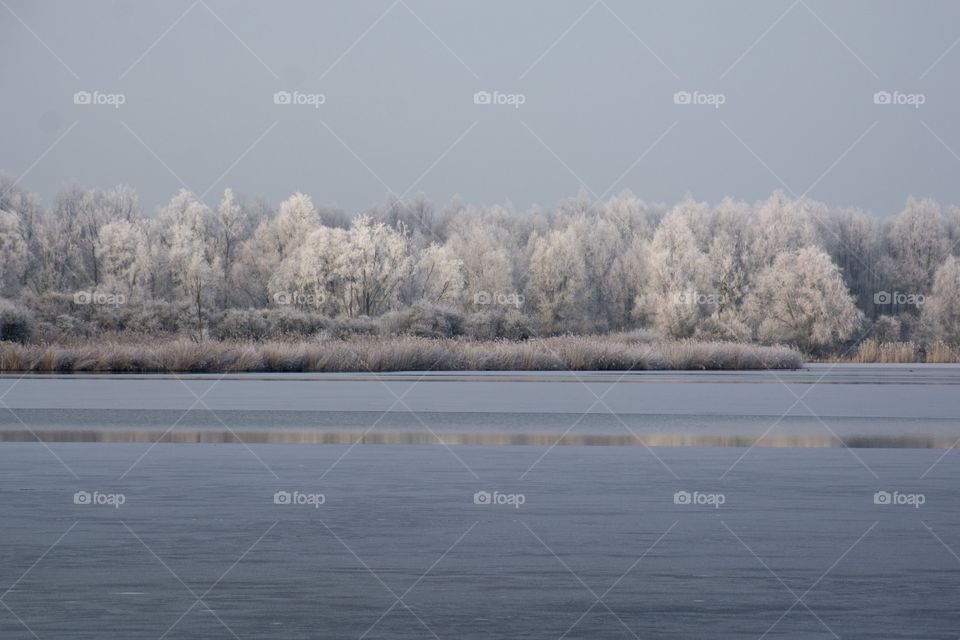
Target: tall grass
[875,351]
[404,353]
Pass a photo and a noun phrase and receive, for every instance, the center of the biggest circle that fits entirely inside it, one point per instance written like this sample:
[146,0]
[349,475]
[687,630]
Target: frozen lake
[825,405]
[793,538]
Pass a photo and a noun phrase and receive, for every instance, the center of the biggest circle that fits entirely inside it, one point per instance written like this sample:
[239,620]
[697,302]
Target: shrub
[241,324]
[156,317]
[17,323]
[293,323]
[424,320]
[509,324]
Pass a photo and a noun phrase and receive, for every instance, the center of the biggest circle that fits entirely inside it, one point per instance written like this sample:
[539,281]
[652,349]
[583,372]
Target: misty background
[398,78]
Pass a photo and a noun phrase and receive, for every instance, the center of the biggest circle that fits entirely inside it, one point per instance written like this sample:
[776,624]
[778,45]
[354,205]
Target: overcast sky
[597,83]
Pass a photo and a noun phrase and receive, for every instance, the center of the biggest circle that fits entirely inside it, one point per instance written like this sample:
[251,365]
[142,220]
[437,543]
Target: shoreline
[369,354]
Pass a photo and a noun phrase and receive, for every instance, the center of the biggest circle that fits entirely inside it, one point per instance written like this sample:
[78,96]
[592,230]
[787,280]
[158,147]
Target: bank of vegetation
[91,270]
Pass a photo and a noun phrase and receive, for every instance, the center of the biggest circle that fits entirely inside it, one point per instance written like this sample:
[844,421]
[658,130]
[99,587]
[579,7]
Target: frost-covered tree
[600,240]
[371,266]
[677,294]
[780,224]
[234,227]
[854,243]
[191,236]
[801,300]
[488,253]
[941,309]
[275,240]
[123,255]
[437,277]
[309,277]
[918,241]
[14,254]
[556,288]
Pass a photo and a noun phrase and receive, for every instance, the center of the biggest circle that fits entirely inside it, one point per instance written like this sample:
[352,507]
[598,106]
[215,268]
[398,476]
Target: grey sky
[598,80]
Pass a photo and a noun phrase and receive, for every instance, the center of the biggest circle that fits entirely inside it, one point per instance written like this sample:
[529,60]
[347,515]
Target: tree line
[780,270]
